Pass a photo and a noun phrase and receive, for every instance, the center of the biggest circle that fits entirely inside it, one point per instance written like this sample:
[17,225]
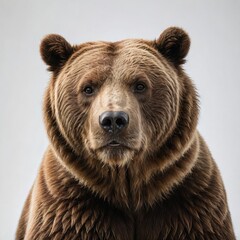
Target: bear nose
[113,121]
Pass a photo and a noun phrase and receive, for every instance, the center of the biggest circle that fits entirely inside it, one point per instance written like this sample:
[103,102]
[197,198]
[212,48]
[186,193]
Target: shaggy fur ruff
[164,184]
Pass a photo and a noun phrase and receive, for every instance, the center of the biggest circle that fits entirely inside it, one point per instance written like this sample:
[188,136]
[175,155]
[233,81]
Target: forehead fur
[121,59]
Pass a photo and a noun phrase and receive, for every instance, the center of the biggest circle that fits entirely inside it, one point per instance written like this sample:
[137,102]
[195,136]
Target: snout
[114,122]
[115,136]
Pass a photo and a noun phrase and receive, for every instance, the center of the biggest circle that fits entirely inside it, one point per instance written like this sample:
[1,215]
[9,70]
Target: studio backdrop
[212,64]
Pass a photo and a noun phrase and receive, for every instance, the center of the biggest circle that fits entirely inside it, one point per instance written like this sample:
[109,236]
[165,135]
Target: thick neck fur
[141,183]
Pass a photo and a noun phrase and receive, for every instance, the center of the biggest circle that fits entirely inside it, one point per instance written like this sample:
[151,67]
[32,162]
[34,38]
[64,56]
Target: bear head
[114,104]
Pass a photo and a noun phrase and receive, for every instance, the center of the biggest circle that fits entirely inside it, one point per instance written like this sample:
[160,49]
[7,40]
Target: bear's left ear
[55,51]
[174,44]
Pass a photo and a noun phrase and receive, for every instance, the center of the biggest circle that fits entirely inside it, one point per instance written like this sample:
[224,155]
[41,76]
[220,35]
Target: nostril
[107,122]
[120,122]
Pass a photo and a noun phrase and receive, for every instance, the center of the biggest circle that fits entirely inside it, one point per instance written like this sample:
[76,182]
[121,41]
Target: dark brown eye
[88,90]
[139,87]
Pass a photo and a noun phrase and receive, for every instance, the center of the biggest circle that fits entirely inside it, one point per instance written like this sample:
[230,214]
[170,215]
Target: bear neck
[141,183]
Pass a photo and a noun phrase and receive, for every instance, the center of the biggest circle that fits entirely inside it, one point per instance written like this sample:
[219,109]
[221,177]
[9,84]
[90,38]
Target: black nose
[113,122]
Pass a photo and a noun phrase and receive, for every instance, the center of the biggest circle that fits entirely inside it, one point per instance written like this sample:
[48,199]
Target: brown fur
[163,184]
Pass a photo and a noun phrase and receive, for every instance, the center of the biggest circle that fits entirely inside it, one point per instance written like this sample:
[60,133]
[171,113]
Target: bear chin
[115,156]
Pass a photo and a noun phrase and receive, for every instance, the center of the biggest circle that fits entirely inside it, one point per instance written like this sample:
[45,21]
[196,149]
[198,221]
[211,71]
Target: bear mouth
[114,144]
[115,152]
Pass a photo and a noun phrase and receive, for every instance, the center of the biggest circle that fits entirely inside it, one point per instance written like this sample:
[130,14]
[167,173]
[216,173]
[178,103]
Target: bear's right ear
[55,51]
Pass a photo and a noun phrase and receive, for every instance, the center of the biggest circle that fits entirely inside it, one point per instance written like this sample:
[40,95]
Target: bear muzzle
[113,123]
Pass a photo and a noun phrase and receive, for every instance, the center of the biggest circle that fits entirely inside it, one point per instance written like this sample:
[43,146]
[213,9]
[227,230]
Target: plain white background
[212,63]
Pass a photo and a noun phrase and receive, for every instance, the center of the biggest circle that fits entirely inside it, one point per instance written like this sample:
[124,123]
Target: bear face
[118,102]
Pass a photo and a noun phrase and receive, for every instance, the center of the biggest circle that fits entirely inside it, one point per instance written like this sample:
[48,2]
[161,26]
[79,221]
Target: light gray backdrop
[213,64]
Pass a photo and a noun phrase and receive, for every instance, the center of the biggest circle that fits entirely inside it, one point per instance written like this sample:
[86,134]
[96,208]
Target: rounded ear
[55,51]
[174,44]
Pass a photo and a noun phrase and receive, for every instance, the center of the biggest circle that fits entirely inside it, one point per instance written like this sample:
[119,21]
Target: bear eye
[88,90]
[139,87]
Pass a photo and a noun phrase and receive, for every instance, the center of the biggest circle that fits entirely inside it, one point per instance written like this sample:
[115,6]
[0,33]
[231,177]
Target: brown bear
[125,160]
